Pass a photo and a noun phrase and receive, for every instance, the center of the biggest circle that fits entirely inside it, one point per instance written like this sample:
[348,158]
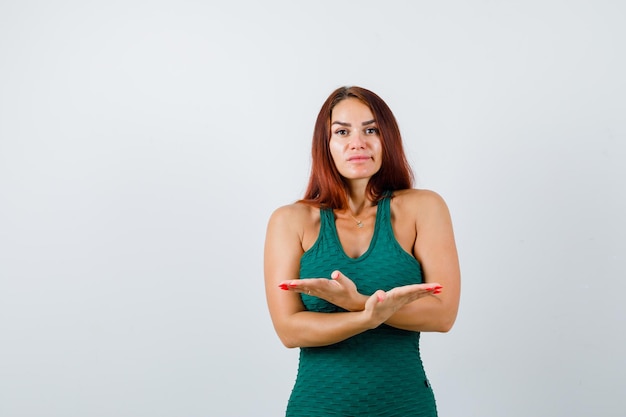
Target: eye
[341,132]
[371,131]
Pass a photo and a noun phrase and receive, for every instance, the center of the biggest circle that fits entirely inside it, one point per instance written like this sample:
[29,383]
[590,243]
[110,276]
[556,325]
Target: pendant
[359,224]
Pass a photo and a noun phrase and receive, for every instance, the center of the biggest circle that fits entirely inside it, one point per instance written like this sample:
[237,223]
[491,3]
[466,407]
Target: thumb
[380,295]
[339,277]
[374,299]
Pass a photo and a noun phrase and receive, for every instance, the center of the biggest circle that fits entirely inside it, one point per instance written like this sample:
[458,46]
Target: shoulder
[294,223]
[421,199]
[296,215]
[420,206]
[293,211]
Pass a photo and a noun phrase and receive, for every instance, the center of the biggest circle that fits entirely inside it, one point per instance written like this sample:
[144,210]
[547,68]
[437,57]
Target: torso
[374,259]
[405,209]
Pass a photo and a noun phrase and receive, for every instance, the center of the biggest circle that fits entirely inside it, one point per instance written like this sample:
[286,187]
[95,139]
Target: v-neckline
[372,243]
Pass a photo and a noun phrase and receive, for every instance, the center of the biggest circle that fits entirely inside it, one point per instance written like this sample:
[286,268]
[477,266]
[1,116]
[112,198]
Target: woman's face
[355,140]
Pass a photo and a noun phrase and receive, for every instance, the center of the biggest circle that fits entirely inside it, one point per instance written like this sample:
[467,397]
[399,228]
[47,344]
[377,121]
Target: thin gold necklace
[359,223]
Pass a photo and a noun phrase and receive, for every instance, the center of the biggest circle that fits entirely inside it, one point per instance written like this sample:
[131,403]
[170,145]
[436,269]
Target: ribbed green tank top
[375,373]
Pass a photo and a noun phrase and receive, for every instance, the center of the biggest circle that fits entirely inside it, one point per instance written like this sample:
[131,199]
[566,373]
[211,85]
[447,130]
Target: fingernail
[283,286]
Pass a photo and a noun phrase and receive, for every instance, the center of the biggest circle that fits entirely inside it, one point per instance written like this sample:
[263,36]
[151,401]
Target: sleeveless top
[378,372]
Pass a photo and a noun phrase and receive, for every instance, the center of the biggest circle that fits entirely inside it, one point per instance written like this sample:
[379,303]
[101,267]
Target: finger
[419,289]
[290,285]
[286,285]
[294,288]
[434,287]
[338,277]
[378,297]
[411,293]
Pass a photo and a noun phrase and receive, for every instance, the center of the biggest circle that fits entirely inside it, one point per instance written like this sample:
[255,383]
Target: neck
[357,198]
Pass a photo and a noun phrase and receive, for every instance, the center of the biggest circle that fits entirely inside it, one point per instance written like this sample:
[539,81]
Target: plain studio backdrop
[144,145]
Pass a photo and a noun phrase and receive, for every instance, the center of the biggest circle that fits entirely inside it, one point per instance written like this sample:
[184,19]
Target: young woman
[359,267]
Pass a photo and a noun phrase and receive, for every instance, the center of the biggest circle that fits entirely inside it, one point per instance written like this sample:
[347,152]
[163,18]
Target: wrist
[368,319]
[357,303]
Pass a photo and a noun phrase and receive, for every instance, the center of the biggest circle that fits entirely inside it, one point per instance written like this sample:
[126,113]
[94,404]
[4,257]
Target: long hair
[327,188]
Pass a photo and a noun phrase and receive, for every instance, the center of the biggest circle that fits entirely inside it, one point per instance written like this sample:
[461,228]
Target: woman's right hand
[381,305]
[340,290]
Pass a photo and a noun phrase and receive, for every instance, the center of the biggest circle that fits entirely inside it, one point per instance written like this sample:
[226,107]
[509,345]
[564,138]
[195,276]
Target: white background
[144,144]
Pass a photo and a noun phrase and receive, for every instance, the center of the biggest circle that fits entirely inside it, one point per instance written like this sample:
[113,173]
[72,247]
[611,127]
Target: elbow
[445,325]
[287,335]
[296,341]
[444,328]
[288,342]
[446,320]
[442,324]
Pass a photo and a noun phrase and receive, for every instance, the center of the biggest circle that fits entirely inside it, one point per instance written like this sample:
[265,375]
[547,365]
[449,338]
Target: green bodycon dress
[375,373]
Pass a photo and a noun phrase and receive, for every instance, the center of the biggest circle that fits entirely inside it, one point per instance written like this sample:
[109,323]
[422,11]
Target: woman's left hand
[340,290]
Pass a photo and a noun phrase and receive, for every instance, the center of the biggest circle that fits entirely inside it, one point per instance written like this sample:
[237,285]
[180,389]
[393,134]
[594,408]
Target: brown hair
[327,188]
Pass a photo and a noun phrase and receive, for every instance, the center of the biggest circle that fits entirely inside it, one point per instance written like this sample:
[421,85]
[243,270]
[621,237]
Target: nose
[357,141]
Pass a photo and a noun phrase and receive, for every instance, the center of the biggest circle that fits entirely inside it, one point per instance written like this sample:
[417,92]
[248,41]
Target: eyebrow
[369,122]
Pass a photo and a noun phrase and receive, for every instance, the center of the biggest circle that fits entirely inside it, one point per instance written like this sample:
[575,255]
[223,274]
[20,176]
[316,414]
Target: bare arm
[432,308]
[295,326]
[435,249]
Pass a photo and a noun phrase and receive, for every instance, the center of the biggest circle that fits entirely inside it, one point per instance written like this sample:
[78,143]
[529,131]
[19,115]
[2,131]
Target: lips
[359,158]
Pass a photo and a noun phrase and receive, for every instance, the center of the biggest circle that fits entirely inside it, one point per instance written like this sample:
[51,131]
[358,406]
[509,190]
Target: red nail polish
[283,287]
